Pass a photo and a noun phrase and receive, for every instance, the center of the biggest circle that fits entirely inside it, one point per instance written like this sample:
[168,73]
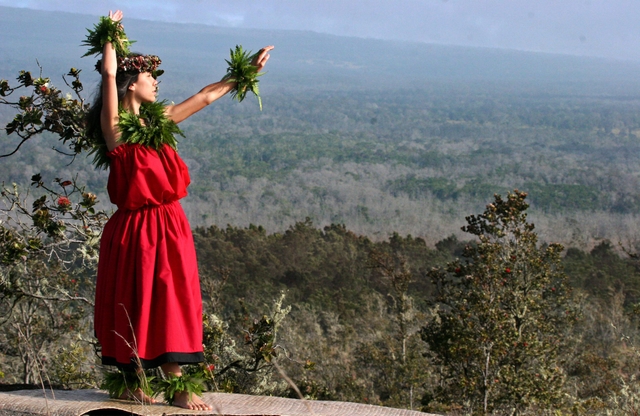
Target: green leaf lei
[178,384]
[243,73]
[156,131]
[107,31]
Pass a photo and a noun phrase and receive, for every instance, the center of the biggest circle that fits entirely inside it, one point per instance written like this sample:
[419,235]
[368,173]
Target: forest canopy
[348,136]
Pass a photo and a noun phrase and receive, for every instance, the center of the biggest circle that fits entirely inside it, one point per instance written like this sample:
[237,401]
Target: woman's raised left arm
[210,93]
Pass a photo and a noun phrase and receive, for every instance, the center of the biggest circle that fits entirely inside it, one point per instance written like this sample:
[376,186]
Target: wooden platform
[97,403]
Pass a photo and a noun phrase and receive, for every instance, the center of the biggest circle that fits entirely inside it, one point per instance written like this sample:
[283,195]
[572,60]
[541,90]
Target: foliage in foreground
[48,248]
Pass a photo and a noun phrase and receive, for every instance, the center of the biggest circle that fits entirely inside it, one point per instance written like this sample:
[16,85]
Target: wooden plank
[97,403]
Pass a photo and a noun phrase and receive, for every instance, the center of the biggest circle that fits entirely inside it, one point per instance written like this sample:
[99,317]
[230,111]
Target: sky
[601,28]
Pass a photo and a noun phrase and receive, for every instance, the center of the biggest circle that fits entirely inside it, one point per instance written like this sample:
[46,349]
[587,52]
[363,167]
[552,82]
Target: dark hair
[94,130]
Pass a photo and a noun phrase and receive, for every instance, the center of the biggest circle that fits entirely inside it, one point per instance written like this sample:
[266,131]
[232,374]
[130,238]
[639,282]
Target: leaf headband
[136,64]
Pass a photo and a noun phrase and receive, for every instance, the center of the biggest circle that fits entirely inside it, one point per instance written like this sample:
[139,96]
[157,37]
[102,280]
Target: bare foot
[137,396]
[181,399]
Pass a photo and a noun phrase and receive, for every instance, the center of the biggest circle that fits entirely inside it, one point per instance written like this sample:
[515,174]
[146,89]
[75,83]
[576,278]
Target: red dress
[148,301]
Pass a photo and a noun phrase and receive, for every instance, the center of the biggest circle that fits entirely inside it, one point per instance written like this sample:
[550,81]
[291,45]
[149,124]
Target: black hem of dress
[169,357]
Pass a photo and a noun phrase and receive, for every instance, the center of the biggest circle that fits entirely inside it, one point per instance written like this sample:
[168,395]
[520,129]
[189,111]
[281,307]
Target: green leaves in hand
[243,73]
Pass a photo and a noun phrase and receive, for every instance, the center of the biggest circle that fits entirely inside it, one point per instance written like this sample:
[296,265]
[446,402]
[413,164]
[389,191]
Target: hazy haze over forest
[380,135]
[599,28]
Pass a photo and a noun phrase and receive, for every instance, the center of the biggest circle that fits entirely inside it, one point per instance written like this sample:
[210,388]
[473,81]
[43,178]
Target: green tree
[44,108]
[499,317]
[49,235]
[48,255]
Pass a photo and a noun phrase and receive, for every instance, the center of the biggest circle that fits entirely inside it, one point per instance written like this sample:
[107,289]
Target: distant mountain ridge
[304,60]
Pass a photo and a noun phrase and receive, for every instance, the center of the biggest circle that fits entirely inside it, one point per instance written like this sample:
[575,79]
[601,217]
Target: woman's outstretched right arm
[109,113]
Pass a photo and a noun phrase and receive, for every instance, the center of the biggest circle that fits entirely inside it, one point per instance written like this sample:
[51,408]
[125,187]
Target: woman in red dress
[148,309]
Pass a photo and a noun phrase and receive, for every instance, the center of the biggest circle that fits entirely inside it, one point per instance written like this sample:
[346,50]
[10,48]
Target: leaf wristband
[243,73]
[107,30]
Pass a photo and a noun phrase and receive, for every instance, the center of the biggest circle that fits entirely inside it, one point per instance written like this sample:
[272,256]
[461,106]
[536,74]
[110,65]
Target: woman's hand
[117,16]
[261,58]
[212,92]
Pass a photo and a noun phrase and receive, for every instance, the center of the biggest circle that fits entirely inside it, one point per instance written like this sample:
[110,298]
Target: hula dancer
[148,309]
